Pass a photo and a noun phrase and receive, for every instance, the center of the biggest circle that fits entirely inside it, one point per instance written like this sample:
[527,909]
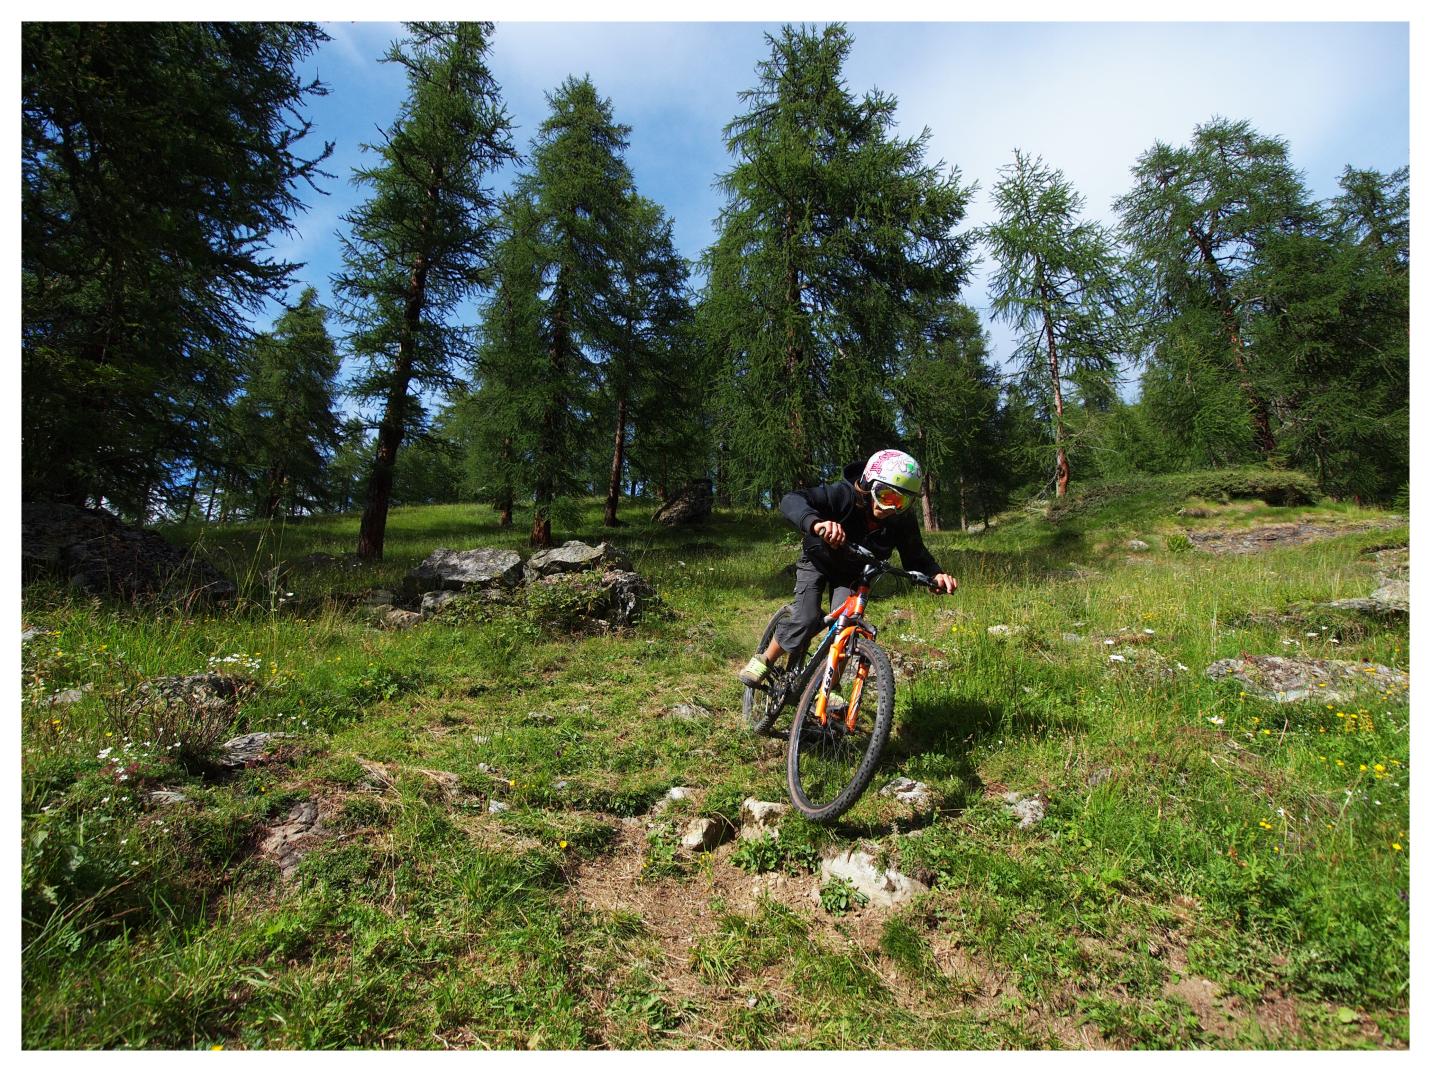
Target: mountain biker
[869,507]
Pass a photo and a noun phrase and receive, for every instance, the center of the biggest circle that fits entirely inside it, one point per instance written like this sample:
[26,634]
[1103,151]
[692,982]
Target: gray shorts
[804,622]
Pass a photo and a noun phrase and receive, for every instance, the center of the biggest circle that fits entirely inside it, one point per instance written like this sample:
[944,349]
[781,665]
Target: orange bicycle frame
[853,608]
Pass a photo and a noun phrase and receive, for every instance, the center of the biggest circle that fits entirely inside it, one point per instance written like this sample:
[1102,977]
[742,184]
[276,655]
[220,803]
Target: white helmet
[893,477]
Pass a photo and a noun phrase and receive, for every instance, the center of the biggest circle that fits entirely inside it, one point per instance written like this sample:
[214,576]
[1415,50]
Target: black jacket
[839,502]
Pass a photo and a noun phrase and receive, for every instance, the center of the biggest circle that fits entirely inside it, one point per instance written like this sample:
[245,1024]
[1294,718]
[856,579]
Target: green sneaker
[755,672]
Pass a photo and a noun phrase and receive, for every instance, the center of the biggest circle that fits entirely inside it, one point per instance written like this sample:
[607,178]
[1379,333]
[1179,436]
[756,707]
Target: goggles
[890,497]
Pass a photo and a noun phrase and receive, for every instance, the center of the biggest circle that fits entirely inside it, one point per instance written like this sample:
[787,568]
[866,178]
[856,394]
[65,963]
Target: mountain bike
[838,732]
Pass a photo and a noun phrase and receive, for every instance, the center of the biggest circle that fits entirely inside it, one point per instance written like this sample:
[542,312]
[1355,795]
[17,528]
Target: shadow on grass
[948,730]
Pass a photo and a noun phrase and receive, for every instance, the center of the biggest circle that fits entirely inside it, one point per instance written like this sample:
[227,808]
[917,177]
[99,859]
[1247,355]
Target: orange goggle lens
[890,498]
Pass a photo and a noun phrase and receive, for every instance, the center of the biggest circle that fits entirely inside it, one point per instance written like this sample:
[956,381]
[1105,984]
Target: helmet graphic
[893,477]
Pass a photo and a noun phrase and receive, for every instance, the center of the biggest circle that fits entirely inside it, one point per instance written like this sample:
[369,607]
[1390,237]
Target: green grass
[1191,831]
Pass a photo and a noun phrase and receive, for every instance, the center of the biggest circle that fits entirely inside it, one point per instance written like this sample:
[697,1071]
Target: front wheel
[828,766]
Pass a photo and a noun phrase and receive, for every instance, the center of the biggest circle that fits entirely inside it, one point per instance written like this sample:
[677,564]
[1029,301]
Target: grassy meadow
[1212,871]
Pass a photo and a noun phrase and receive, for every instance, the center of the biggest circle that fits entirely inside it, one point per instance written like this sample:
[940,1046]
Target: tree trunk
[504,495]
[963,507]
[1257,405]
[193,495]
[618,456]
[1056,382]
[274,481]
[373,527]
[931,520]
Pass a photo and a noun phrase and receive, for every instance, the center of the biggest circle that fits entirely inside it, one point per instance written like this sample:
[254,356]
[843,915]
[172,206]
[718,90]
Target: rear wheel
[762,706]
[828,767]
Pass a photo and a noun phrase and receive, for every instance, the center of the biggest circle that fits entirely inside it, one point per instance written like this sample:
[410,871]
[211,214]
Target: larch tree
[419,245]
[647,377]
[833,230]
[580,190]
[145,246]
[1196,221]
[1058,284]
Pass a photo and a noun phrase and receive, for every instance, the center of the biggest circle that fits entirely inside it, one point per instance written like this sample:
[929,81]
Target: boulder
[703,835]
[97,553]
[907,791]
[885,887]
[459,571]
[1137,545]
[203,691]
[241,751]
[433,602]
[576,557]
[401,619]
[760,818]
[1392,599]
[691,504]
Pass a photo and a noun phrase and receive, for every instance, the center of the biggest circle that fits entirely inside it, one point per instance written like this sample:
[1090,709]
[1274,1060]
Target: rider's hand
[831,532]
[945,584]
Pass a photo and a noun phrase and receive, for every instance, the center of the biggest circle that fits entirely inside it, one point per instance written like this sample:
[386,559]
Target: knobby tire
[808,739]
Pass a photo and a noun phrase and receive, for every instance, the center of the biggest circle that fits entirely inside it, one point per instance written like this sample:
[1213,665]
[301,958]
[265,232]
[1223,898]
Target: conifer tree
[419,245]
[833,230]
[579,188]
[948,398]
[647,376]
[285,428]
[1196,220]
[158,161]
[1058,284]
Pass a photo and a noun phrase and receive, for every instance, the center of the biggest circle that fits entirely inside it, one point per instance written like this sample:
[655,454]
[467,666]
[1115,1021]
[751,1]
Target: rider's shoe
[755,672]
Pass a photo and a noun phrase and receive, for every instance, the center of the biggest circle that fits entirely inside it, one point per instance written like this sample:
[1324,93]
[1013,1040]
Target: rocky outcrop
[97,553]
[884,887]
[461,571]
[1284,679]
[691,504]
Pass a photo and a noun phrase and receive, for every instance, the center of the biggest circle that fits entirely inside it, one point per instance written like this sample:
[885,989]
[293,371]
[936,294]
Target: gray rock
[679,792]
[1392,599]
[1005,631]
[907,791]
[691,504]
[377,597]
[1028,810]
[977,526]
[208,692]
[684,712]
[459,571]
[401,619]
[241,751]
[1099,775]
[1072,638]
[96,552]
[1285,679]
[29,635]
[702,835]
[71,696]
[576,557]
[497,807]
[433,602]
[287,842]
[884,887]
[759,818]
[1137,545]
[167,796]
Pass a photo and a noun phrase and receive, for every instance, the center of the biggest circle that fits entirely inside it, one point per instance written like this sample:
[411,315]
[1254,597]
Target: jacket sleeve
[805,506]
[913,555]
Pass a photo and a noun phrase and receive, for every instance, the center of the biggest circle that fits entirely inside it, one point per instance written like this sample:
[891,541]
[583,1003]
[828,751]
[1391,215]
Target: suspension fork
[849,620]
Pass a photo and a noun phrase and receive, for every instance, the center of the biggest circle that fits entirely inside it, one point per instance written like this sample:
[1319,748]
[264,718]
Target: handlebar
[881,566]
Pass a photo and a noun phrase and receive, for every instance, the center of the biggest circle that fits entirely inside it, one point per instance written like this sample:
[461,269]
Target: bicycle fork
[833,666]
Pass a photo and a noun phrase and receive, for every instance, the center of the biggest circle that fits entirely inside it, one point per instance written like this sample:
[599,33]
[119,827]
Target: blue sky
[1087,96]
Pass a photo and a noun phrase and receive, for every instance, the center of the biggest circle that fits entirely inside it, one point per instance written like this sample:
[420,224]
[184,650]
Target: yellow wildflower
[1396,846]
